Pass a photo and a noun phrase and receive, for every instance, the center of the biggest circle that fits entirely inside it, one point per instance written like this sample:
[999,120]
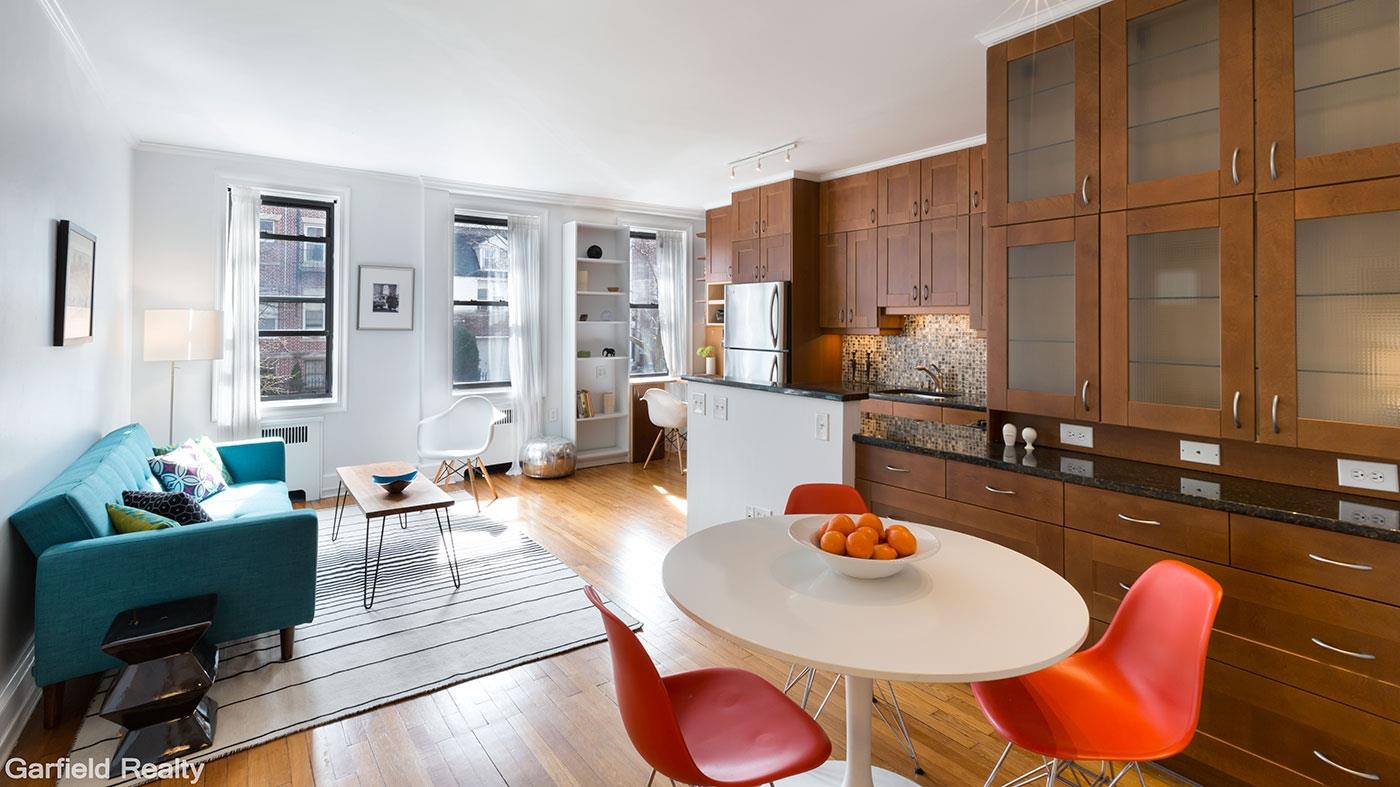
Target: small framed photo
[386,298]
[73,285]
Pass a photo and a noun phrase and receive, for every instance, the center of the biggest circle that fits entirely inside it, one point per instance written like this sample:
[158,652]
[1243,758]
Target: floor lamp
[176,335]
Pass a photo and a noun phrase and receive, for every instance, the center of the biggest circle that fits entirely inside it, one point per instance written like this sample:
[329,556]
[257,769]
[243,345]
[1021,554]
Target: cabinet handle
[1353,566]
[1354,654]
[765,225]
[925,292]
[1375,777]
[1084,395]
[872,215]
[1235,166]
[996,491]
[1236,408]
[1273,413]
[916,292]
[1273,161]
[1137,521]
[915,209]
[755,273]
[894,469]
[1084,190]
[851,315]
[755,228]
[1125,586]
[925,207]
[976,197]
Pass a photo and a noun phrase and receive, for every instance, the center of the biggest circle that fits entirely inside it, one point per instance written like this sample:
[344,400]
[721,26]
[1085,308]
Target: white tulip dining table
[974,611]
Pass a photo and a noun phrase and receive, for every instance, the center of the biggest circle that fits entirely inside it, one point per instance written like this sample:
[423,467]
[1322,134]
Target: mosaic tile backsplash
[944,339]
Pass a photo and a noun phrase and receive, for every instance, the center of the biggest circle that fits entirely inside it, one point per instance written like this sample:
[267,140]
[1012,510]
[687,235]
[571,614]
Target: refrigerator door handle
[773,316]
[773,375]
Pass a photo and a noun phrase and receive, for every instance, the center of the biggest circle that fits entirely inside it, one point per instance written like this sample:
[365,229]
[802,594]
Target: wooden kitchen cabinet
[977,179]
[849,203]
[943,250]
[1042,282]
[775,258]
[900,194]
[1177,302]
[1177,101]
[747,261]
[1043,123]
[898,277]
[746,214]
[977,296]
[1328,284]
[943,185]
[832,281]
[847,302]
[775,209]
[1329,89]
[719,251]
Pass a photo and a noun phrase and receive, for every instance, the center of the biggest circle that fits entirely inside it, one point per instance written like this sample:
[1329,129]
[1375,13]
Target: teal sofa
[258,556]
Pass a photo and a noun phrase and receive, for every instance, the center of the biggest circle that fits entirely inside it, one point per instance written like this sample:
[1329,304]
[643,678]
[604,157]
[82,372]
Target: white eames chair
[457,437]
[669,414]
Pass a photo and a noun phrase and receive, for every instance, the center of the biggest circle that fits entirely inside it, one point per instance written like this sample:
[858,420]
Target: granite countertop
[1281,502]
[834,391]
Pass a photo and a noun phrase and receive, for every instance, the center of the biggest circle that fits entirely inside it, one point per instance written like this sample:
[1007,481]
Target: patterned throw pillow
[178,506]
[126,519]
[187,470]
[205,447]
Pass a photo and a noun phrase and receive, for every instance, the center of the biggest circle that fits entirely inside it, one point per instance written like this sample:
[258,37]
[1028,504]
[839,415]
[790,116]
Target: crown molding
[1044,12]
[78,51]
[905,158]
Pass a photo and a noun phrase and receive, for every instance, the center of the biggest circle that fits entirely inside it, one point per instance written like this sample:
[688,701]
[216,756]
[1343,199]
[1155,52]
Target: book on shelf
[585,404]
[609,402]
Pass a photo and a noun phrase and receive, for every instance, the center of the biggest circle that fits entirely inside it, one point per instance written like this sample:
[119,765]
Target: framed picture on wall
[73,285]
[386,298]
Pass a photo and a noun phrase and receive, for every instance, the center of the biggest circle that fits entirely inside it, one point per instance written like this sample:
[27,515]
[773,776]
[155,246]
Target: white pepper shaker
[1008,434]
[1029,434]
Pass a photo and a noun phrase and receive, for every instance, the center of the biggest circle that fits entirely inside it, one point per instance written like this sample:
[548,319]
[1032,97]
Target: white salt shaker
[1029,434]
[1008,434]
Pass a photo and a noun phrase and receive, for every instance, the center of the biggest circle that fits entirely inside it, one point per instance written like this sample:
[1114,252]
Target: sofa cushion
[178,506]
[73,506]
[253,498]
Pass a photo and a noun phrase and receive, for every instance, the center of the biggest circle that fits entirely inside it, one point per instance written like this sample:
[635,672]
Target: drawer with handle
[1185,530]
[1000,490]
[1307,734]
[1323,642]
[900,468]
[1355,565]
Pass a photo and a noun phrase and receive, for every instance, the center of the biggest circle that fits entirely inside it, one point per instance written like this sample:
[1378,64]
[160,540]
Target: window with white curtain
[480,302]
[644,319]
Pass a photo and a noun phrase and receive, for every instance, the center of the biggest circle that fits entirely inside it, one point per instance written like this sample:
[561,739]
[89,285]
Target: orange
[885,552]
[902,540]
[835,543]
[821,531]
[860,544]
[873,522]
[874,534]
[841,524]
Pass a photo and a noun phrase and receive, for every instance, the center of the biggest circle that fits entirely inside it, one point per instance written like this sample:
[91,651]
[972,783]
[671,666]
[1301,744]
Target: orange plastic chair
[825,499]
[721,727]
[1133,696]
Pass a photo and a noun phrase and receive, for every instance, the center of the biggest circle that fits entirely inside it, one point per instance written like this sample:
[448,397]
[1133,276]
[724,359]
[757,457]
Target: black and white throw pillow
[179,506]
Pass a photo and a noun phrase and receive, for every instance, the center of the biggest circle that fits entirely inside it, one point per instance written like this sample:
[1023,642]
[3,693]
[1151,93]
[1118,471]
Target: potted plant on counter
[708,353]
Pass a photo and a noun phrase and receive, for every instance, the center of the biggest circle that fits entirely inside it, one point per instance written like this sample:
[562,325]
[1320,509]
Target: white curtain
[673,298]
[237,394]
[526,343]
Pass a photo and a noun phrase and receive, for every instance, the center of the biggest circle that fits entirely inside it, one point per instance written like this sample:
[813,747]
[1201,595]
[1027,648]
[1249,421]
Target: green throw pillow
[126,519]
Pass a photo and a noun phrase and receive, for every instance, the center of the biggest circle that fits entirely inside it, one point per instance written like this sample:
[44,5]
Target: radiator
[303,438]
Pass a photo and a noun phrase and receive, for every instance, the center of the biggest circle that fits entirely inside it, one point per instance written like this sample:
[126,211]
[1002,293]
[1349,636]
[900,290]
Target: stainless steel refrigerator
[756,332]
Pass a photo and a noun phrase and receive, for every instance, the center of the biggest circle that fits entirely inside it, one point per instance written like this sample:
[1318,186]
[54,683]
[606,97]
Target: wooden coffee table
[420,495]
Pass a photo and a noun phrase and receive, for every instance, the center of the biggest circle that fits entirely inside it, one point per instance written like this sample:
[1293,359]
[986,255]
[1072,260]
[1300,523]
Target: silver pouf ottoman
[548,457]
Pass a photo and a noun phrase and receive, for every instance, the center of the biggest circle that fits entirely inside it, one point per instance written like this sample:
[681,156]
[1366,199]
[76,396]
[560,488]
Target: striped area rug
[518,603]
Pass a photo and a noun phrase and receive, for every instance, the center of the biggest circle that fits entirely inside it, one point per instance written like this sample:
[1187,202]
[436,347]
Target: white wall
[62,156]
[764,446]
[394,378]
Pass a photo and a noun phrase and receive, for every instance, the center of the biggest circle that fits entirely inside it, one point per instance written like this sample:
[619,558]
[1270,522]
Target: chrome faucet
[935,375]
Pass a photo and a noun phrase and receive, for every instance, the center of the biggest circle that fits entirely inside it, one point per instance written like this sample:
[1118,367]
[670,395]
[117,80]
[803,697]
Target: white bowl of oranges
[862,546]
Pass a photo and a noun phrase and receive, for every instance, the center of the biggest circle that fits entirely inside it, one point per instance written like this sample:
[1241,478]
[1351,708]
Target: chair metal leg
[991,777]
[903,729]
[1052,771]
[486,474]
[807,692]
[653,777]
[654,443]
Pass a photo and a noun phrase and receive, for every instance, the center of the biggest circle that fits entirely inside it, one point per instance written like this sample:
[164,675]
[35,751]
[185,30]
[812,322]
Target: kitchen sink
[921,393]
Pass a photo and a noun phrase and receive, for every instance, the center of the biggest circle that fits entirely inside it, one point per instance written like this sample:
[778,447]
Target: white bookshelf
[603,438]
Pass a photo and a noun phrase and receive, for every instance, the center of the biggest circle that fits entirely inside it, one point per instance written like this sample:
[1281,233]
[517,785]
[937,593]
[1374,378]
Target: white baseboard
[17,699]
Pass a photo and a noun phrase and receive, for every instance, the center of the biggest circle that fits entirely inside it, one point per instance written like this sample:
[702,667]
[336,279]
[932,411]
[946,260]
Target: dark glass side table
[159,696]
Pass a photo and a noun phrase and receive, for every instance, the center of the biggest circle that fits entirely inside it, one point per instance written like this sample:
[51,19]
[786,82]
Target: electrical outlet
[1077,434]
[1362,514]
[697,403]
[1198,488]
[1079,467]
[553,414]
[722,408]
[759,511]
[748,512]
[1367,475]
[1201,453]
[600,371]
[823,427]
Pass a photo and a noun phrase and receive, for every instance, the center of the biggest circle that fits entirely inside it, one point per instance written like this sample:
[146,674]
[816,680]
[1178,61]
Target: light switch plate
[1362,514]
[697,403]
[1077,434]
[722,408]
[1202,453]
[824,427]
[1379,476]
[553,414]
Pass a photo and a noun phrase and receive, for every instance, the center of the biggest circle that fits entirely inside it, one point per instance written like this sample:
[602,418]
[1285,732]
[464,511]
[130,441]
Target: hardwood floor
[555,722]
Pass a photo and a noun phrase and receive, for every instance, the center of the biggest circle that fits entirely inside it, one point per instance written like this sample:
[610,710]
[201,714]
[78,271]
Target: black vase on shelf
[594,252]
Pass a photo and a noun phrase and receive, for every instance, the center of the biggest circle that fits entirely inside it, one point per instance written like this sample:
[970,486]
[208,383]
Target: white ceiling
[627,99]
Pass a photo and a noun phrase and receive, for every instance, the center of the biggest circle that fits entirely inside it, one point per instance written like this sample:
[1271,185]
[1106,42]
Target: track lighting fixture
[757,158]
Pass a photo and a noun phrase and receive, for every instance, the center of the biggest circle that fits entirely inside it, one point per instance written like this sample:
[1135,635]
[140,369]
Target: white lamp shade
[184,335]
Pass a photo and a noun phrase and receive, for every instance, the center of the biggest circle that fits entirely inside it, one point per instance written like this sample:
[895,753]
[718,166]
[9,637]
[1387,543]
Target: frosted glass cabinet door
[1042,329]
[1043,123]
[1178,113]
[1329,318]
[1330,112]
[1177,293]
